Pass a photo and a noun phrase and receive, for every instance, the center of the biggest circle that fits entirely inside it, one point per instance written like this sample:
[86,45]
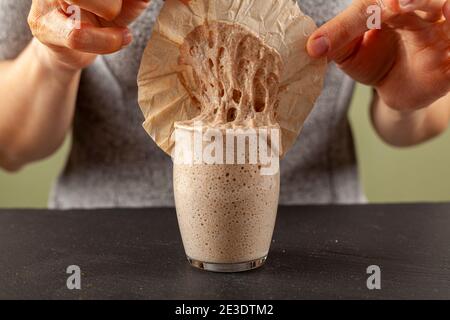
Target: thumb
[344,29]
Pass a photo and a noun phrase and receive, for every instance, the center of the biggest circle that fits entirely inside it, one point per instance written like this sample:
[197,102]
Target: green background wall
[389,175]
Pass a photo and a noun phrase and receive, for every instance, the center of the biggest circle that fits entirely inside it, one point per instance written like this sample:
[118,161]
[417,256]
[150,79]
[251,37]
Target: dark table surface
[318,252]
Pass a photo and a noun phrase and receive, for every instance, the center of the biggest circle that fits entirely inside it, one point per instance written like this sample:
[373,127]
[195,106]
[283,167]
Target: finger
[98,40]
[107,9]
[354,61]
[422,5]
[446,12]
[430,10]
[56,29]
[347,26]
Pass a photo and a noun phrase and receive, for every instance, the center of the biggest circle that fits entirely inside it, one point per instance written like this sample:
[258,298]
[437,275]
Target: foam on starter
[226,213]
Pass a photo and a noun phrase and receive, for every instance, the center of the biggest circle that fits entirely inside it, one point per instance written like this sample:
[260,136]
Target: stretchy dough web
[236,76]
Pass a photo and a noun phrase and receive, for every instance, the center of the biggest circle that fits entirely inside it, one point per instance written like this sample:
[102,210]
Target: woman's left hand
[407,60]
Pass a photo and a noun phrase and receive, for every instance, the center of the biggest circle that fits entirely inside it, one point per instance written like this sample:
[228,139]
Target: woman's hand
[102,29]
[34,125]
[407,60]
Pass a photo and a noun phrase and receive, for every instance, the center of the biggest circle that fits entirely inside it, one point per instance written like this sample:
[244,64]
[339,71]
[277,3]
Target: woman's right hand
[102,29]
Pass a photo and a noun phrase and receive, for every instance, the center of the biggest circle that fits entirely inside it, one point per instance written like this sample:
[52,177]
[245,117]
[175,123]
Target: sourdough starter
[226,213]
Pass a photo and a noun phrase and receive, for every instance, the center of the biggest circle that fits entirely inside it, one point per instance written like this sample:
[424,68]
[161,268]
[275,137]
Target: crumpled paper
[163,98]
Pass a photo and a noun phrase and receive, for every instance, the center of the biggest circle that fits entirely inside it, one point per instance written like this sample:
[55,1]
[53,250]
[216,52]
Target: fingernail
[127,38]
[320,46]
[407,4]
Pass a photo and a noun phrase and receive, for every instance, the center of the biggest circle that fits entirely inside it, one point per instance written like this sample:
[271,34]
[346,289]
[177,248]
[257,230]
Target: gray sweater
[113,162]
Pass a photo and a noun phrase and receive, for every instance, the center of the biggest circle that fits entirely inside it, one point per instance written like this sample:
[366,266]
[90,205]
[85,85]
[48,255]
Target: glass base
[228,267]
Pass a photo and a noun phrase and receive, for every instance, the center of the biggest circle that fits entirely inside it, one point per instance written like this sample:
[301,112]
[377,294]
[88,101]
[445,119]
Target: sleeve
[323,11]
[14,31]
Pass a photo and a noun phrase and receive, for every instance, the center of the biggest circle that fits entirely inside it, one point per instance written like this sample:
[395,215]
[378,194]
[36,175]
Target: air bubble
[221,90]
[237,96]
[260,96]
[211,39]
[231,114]
[196,103]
